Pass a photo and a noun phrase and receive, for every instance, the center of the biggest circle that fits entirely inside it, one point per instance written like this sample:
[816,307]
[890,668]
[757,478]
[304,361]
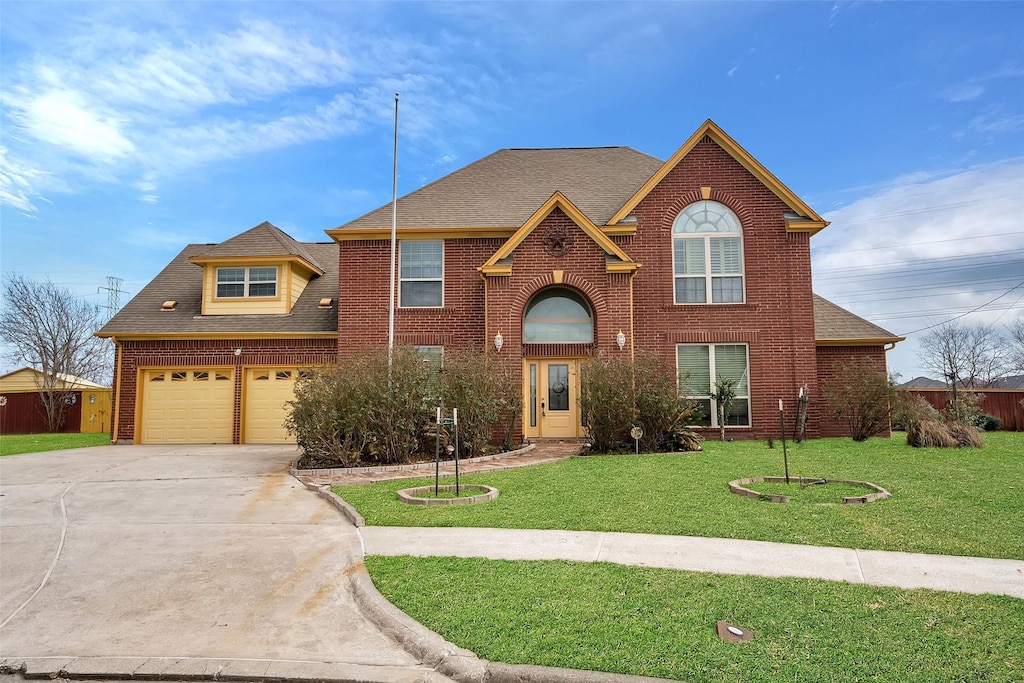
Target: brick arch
[571,281]
[722,197]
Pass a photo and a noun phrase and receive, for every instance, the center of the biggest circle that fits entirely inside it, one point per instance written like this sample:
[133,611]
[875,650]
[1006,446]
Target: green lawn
[661,623]
[12,444]
[956,502]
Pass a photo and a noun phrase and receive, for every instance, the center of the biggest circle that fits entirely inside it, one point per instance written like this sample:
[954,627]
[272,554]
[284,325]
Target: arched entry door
[552,384]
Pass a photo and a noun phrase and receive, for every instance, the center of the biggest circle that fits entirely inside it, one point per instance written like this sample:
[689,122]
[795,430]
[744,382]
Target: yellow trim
[505,269]
[559,200]
[877,341]
[705,193]
[621,230]
[628,267]
[711,129]
[246,260]
[813,227]
[558,276]
[349,235]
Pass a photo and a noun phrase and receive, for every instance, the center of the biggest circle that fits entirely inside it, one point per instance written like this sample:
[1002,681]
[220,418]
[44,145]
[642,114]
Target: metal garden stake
[782,424]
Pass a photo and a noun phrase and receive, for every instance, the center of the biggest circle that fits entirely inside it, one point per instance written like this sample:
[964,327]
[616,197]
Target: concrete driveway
[177,559]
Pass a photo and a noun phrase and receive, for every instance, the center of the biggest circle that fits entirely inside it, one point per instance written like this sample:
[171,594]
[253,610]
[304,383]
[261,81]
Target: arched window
[707,255]
[558,315]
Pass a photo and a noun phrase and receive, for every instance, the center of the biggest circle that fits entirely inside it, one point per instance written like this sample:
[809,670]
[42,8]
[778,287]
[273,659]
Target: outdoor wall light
[620,339]
[499,341]
[238,352]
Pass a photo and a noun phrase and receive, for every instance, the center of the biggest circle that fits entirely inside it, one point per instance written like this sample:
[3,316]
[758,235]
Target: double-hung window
[707,255]
[421,274]
[701,367]
[246,282]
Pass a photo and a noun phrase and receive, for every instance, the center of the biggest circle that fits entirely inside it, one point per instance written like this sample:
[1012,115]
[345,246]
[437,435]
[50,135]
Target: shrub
[964,435]
[929,434]
[863,398]
[486,395]
[913,408]
[990,423]
[618,395]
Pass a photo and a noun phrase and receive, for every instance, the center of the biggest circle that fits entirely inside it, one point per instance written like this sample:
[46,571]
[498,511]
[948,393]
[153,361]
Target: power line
[918,244]
[1019,284]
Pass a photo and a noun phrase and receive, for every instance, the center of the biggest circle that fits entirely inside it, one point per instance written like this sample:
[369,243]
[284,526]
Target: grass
[13,444]
[945,501]
[661,623]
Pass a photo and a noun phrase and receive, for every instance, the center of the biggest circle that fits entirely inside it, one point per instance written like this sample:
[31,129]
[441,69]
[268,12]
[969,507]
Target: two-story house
[544,256]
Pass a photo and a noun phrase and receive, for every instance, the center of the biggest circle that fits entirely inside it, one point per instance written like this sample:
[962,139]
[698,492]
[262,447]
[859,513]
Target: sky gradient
[130,130]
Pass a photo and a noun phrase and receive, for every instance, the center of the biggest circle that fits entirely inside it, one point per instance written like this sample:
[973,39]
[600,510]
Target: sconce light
[620,339]
[238,352]
[499,341]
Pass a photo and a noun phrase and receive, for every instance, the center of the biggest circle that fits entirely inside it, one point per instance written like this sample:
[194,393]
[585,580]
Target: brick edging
[334,471]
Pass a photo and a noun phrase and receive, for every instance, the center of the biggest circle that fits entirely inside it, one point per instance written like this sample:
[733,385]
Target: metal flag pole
[394,240]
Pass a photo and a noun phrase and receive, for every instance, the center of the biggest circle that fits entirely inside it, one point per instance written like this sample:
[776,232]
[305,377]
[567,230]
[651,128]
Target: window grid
[238,283]
[707,255]
[697,364]
[421,274]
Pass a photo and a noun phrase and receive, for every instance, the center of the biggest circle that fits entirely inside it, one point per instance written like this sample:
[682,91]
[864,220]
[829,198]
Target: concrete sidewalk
[717,555]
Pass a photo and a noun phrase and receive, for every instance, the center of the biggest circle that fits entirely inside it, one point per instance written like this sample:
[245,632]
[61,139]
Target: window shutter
[726,255]
[689,256]
[694,370]
[731,363]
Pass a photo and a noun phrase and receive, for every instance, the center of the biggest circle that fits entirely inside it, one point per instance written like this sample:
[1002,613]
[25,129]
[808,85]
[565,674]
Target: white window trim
[707,397]
[246,282]
[708,275]
[419,279]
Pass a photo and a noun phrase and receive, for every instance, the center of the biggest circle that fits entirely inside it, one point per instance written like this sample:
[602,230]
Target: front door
[551,395]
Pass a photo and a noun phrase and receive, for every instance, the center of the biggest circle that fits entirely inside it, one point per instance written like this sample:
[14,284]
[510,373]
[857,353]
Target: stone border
[409,497]
[737,487]
[333,471]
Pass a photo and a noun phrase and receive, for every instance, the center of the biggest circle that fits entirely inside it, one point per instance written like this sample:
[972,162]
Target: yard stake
[782,424]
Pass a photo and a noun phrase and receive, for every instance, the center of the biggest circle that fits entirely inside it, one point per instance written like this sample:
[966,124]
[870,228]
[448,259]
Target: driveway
[178,558]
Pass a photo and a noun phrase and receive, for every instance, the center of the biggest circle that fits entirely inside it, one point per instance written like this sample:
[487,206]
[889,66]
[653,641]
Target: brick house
[545,256]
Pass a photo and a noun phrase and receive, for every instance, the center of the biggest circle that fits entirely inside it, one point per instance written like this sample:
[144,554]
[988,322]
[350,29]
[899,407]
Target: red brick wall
[187,353]
[829,360]
[777,319]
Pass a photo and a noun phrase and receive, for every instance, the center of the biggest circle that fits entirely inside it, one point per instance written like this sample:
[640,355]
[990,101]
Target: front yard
[13,444]
[661,623]
[945,501]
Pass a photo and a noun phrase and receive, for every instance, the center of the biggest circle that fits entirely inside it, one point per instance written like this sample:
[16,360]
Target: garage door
[266,392]
[187,406]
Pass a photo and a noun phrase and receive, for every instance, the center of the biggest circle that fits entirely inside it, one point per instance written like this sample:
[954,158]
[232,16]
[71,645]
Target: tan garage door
[187,406]
[266,392]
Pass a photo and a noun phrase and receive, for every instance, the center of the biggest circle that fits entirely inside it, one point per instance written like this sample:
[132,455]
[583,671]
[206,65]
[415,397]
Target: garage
[266,392]
[187,406]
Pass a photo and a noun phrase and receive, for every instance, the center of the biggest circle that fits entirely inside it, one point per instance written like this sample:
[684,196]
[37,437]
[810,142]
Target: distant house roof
[1008,382]
[923,383]
[182,281]
[30,379]
[836,326]
[506,187]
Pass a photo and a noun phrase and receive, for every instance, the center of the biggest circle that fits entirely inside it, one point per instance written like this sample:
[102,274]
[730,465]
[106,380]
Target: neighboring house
[545,257]
[22,410]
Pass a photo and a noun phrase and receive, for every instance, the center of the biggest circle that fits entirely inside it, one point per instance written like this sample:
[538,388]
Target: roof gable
[31,379]
[621,261]
[805,219]
[264,240]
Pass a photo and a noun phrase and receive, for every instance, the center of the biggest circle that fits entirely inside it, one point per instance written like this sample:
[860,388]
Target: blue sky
[129,130]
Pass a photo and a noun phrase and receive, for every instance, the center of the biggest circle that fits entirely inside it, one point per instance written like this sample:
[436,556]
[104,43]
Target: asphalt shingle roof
[182,281]
[265,239]
[833,323]
[505,188]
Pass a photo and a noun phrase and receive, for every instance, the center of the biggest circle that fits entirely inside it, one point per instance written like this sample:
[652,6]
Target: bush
[618,395]
[929,434]
[989,423]
[939,434]
[362,413]
[913,408]
[863,398]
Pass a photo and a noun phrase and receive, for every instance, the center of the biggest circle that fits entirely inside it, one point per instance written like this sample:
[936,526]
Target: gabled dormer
[261,271]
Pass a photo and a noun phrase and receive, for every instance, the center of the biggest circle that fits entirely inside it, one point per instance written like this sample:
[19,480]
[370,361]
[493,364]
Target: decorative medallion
[557,240]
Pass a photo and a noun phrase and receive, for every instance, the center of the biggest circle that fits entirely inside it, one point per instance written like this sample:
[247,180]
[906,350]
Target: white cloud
[964,92]
[16,181]
[928,248]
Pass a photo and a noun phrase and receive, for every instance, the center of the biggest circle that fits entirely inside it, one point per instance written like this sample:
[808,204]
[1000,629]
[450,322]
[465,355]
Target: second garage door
[187,406]
[266,392]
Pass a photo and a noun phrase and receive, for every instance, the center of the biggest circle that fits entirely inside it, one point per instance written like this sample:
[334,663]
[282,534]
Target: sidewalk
[717,555]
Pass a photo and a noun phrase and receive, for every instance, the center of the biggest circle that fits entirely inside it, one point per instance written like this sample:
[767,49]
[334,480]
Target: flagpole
[394,240]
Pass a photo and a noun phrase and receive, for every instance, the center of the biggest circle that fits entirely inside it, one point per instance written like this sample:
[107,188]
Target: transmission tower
[114,293]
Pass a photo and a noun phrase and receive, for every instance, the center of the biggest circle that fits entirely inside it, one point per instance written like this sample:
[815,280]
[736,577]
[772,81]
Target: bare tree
[50,329]
[1016,329]
[965,357]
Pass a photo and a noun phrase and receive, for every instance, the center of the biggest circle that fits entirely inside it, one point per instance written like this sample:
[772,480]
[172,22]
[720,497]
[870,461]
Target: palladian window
[558,316]
[707,255]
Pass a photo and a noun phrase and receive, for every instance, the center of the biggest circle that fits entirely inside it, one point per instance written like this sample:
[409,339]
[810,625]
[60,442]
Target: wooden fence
[1002,403]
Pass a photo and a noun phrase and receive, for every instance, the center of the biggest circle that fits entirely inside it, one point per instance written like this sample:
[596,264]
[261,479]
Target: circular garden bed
[446,494]
[772,494]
